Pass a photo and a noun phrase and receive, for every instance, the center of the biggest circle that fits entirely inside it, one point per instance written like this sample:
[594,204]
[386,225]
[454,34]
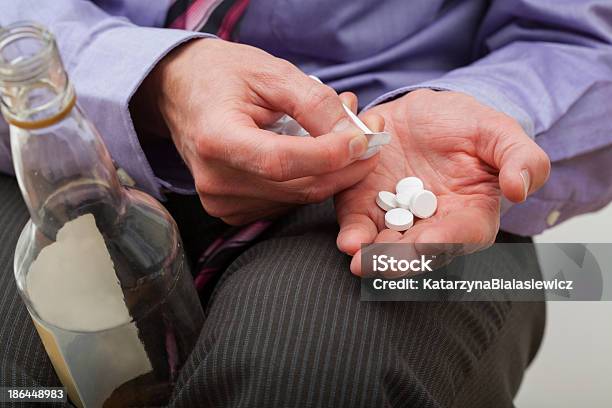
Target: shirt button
[553,217]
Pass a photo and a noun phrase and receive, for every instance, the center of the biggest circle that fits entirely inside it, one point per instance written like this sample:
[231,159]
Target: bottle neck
[61,163]
[34,87]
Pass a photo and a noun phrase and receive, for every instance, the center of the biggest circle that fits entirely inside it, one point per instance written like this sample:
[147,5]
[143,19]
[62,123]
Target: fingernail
[343,125]
[371,151]
[526,181]
[357,146]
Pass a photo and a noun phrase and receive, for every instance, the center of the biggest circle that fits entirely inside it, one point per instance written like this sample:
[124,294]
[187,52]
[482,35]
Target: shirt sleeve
[548,64]
[107,57]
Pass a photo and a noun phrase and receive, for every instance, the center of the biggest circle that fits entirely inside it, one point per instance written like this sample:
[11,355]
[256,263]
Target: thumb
[523,166]
[356,223]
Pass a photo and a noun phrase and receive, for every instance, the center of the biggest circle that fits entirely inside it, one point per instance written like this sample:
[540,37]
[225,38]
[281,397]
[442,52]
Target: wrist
[149,104]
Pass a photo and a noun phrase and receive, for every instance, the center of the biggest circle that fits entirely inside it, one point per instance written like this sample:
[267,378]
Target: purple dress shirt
[547,63]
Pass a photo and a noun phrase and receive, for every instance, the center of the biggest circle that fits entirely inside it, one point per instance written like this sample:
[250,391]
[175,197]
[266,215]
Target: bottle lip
[33,65]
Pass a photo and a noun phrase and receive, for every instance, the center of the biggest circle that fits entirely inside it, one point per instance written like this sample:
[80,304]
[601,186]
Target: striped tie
[220,17]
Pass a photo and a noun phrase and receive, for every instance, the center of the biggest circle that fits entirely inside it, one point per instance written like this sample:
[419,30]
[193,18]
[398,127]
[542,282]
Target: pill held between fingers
[378,138]
[424,204]
[408,183]
[286,125]
[362,126]
[293,128]
[399,219]
[386,200]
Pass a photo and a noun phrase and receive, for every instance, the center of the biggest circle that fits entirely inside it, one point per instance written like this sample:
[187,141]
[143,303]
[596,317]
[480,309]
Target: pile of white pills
[410,200]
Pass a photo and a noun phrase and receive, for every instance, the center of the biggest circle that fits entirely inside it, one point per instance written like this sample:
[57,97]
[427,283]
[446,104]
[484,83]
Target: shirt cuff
[170,170]
[109,71]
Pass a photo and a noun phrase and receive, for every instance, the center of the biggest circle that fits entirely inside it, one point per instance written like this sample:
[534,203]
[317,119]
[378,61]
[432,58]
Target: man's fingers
[281,158]
[466,230]
[373,121]
[218,180]
[227,206]
[355,229]
[524,169]
[350,100]
[314,105]
[356,224]
[319,188]
[384,236]
[523,166]
[473,226]
[240,210]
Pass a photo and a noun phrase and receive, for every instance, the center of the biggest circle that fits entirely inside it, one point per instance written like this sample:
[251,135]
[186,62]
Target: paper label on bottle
[72,284]
[84,321]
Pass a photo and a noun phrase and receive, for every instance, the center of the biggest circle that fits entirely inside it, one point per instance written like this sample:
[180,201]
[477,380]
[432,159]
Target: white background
[574,365]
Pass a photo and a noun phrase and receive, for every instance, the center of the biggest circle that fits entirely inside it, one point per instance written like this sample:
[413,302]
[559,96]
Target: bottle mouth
[34,89]
[26,49]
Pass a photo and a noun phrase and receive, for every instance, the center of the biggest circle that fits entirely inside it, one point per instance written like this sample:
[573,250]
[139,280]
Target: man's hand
[215,96]
[466,153]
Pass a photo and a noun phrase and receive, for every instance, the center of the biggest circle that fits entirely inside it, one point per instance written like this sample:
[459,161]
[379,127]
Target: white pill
[408,183]
[399,219]
[378,138]
[286,125]
[404,199]
[424,204]
[386,200]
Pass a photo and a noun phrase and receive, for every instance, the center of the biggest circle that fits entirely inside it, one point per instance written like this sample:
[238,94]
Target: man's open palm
[466,153]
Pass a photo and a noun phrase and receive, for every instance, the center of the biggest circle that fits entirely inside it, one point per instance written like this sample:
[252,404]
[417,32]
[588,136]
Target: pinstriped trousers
[285,328]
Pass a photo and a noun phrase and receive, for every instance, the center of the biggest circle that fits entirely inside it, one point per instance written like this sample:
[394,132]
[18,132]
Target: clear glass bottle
[100,267]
